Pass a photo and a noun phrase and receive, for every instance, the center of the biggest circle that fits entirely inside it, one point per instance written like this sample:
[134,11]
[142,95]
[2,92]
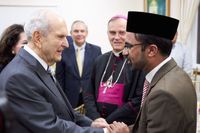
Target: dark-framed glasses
[129,45]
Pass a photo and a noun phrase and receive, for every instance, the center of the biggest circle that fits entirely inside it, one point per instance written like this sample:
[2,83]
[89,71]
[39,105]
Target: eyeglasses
[129,45]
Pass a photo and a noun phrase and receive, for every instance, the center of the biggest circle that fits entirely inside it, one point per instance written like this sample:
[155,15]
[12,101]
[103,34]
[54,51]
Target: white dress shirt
[42,62]
[82,50]
[151,74]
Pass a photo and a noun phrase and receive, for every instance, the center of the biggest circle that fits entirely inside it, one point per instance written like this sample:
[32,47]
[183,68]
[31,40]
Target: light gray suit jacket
[39,104]
[170,105]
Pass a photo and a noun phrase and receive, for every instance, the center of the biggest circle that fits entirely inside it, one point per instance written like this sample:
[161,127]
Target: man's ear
[152,50]
[37,38]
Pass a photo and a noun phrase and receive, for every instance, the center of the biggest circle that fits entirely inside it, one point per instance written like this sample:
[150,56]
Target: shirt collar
[76,46]
[151,74]
[41,61]
[117,54]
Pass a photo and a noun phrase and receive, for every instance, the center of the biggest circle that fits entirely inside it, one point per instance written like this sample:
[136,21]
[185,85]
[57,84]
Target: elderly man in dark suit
[36,99]
[169,98]
[72,72]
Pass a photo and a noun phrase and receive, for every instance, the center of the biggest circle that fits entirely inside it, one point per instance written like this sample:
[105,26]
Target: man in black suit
[36,99]
[72,75]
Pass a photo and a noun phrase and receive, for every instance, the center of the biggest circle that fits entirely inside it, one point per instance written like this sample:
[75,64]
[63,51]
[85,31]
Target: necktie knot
[79,49]
[50,72]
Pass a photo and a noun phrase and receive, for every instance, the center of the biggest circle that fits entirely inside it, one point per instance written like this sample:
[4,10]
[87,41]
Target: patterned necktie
[79,61]
[50,72]
[145,89]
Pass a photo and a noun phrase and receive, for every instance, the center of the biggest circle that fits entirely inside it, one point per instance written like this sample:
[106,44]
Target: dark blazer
[170,105]
[67,71]
[1,67]
[132,92]
[39,104]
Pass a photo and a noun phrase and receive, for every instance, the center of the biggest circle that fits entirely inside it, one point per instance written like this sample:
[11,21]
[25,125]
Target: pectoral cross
[108,84]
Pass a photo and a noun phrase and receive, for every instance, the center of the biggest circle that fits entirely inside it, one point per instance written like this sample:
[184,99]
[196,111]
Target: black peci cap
[152,24]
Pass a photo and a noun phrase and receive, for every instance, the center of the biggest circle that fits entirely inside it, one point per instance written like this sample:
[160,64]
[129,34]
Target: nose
[65,43]
[117,35]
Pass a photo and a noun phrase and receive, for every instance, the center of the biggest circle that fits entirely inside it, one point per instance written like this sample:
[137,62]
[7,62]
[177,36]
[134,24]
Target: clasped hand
[115,127]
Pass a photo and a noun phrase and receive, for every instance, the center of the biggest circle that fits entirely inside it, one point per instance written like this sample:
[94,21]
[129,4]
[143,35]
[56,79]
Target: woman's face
[22,41]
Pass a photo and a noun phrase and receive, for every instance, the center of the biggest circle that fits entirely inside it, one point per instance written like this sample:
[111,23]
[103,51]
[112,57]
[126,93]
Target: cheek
[131,52]
[52,44]
[17,47]
[110,38]
[134,54]
[123,38]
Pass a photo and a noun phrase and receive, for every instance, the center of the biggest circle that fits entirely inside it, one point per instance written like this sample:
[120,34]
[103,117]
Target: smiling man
[74,70]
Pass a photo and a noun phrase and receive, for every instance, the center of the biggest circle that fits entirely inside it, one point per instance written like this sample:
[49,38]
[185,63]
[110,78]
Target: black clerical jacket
[133,82]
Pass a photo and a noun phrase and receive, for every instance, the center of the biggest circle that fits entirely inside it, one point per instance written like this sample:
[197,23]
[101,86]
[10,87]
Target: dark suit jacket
[39,104]
[1,67]
[132,92]
[170,105]
[67,71]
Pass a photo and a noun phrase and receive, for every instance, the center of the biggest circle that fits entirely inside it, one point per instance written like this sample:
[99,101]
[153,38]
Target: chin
[58,59]
[118,49]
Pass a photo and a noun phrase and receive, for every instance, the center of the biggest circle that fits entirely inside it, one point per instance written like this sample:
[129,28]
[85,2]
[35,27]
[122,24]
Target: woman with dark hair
[12,39]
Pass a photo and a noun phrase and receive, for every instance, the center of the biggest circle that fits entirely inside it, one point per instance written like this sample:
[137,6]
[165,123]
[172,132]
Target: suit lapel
[47,80]
[40,71]
[53,87]
[57,90]
[72,56]
[66,101]
[86,59]
[161,72]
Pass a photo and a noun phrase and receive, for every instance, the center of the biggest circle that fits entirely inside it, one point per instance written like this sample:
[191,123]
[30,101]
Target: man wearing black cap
[169,98]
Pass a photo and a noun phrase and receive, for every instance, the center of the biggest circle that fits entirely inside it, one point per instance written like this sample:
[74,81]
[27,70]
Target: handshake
[115,127]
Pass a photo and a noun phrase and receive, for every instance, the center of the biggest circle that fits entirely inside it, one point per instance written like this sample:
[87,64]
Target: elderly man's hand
[118,127]
[99,123]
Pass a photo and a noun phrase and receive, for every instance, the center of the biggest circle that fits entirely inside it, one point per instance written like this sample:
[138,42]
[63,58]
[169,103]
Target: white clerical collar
[117,53]
[151,74]
[30,51]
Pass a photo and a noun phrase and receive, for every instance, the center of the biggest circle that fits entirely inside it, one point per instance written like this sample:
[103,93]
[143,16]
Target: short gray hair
[37,22]
[79,21]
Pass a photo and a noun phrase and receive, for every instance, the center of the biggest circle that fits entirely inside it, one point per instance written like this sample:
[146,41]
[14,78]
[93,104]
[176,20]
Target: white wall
[12,11]
[96,15]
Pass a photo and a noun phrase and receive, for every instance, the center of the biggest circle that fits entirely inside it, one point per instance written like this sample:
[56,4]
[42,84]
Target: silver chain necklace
[108,83]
